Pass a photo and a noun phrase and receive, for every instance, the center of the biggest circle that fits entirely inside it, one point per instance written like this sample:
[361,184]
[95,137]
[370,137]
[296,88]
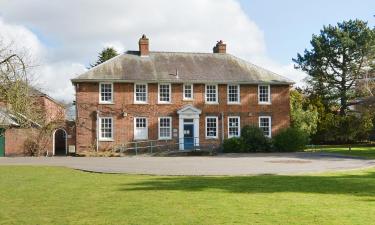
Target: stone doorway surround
[188,112]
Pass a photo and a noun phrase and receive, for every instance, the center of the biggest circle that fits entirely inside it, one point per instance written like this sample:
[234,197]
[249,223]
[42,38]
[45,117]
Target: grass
[356,150]
[52,195]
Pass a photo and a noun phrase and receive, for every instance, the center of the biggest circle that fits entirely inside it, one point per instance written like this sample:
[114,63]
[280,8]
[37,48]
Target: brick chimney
[143,46]
[220,47]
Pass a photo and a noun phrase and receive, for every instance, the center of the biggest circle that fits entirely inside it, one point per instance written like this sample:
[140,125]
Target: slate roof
[7,119]
[179,67]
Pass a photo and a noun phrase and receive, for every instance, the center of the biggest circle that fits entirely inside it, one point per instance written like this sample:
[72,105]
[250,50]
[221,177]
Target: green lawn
[361,151]
[51,195]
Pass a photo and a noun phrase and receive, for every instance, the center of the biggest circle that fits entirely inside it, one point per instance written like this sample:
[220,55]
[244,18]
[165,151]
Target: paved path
[226,164]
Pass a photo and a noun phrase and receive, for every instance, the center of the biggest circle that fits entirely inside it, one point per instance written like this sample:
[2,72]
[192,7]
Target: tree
[104,55]
[339,56]
[304,116]
[15,85]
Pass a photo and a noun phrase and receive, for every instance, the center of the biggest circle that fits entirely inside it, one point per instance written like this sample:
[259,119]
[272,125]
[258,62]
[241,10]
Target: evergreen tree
[104,55]
[339,57]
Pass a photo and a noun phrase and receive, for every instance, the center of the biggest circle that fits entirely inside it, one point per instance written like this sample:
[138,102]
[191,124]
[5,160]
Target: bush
[31,147]
[234,144]
[254,139]
[290,140]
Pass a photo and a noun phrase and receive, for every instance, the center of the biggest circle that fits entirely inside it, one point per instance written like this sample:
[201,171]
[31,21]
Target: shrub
[290,140]
[254,139]
[234,144]
[31,147]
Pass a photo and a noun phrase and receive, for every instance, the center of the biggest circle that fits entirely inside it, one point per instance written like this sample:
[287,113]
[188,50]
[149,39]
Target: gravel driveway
[225,164]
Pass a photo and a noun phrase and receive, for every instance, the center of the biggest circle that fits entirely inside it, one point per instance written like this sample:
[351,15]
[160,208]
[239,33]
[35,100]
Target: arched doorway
[59,142]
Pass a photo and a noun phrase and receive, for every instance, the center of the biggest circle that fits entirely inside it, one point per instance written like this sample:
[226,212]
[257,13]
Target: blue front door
[188,136]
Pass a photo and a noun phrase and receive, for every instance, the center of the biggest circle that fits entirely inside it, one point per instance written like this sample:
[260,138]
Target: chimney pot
[143,46]
[220,47]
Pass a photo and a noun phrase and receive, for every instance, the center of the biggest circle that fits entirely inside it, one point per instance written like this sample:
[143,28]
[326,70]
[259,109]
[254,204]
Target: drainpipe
[222,127]
[97,130]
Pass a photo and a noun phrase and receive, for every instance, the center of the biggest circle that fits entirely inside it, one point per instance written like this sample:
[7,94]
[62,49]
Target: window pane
[211,126]
[188,91]
[265,125]
[164,92]
[106,92]
[263,93]
[233,127]
[141,92]
[165,127]
[211,93]
[106,127]
[233,93]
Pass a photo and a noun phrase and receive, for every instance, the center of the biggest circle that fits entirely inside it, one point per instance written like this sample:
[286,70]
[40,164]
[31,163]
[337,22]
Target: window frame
[112,129]
[216,93]
[135,94]
[171,127]
[238,95]
[100,93]
[269,126]
[217,127]
[268,102]
[239,126]
[170,93]
[135,127]
[192,92]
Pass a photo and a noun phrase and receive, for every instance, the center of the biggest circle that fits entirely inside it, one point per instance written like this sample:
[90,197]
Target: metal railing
[154,146]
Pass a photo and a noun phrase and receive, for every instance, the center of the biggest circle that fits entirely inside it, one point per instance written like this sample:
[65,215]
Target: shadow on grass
[356,185]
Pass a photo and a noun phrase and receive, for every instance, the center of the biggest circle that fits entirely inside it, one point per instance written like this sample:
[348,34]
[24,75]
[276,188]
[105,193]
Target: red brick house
[13,136]
[183,97]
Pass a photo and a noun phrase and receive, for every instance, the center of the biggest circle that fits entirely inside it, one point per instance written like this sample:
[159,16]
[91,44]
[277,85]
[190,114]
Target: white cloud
[73,32]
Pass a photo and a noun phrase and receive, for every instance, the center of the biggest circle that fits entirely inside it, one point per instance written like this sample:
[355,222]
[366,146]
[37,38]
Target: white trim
[239,126]
[171,127]
[269,95]
[217,94]
[112,129]
[270,124]
[195,116]
[217,127]
[66,141]
[192,92]
[135,127]
[238,93]
[170,93]
[100,93]
[135,96]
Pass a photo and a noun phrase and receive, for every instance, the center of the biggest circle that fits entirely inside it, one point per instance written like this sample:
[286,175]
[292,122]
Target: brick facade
[123,110]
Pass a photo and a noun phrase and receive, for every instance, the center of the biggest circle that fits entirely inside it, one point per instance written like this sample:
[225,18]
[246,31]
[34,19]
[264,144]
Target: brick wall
[87,98]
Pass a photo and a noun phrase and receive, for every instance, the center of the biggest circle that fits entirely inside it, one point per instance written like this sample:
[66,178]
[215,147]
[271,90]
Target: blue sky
[289,24]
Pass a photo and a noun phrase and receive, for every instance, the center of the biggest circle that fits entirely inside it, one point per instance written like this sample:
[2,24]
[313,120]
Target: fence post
[136,150]
[151,147]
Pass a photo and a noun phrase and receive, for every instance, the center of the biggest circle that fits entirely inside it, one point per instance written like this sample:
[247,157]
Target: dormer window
[106,93]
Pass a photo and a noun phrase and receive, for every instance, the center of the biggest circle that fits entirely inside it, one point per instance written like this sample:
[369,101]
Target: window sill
[140,103]
[106,103]
[106,140]
[164,103]
[165,139]
[264,103]
[212,138]
[188,100]
[234,103]
[212,103]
